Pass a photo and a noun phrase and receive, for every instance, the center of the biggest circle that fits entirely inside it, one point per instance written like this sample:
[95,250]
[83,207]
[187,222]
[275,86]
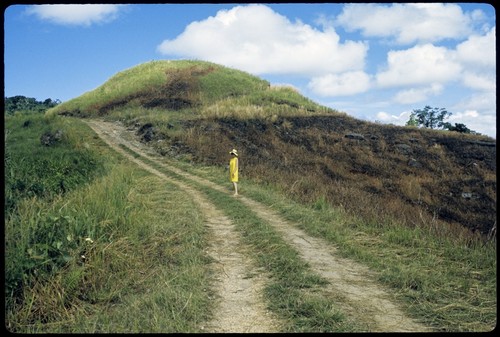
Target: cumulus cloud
[348,83]
[75,15]
[482,101]
[478,51]
[415,95]
[419,65]
[482,122]
[400,119]
[408,23]
[256,39]
[483,82]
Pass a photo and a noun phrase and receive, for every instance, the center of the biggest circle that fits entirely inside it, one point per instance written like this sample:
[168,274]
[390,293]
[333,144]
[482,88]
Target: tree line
[27,104]
[433,118]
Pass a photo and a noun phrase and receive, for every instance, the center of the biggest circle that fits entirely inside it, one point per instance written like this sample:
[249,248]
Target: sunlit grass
[362,196]
[123,253]
[444,279]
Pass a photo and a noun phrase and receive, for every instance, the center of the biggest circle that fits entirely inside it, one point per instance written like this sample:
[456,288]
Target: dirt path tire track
[239,284]
[363,298]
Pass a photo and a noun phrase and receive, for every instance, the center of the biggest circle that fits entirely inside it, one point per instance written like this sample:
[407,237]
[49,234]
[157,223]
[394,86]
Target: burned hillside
[377,171]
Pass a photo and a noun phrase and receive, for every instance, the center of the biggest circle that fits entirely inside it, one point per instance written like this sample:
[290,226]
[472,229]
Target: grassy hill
[199,111]
[94,243]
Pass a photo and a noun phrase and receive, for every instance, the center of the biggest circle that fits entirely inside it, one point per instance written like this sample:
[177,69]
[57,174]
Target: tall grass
[294,292]
[34,169]
[193,88]
[119,87]
[121,253]
[448,281]
[407,222]
[310,158]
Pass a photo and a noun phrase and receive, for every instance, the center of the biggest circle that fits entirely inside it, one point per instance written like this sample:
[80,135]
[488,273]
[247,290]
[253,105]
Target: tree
[459,127]
[27,104]
[429,117]
[412,121]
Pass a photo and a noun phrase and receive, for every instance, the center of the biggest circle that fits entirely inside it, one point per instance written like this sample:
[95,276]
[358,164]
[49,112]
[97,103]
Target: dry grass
[200,110]
[394,174]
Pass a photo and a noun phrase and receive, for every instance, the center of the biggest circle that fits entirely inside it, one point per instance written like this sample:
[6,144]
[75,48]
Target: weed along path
[350,284]
[240,306]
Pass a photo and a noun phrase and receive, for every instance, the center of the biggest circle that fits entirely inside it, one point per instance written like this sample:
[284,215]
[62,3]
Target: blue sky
[374,61]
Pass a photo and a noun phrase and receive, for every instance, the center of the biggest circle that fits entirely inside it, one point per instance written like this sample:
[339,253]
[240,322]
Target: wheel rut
[351,284]
[238,282]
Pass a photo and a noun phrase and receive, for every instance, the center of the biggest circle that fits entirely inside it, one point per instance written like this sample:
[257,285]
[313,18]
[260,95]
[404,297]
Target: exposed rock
[469,195]
[414,163]
[404,148]
[483,143]
[146,132]
[355,136]
[49,138]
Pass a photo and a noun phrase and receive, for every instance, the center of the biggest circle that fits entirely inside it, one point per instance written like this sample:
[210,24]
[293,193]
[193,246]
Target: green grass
[33,169]
[192,82]
[145,270]
[363,198]
[295,291]
[199,109]
[123,252]
[187,89]
[448,282]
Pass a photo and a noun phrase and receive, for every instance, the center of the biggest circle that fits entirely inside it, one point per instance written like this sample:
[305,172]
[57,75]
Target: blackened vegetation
[374,170]
[180,91]
[146,132]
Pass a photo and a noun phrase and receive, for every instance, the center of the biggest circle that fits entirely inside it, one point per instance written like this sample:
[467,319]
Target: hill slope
[199,111]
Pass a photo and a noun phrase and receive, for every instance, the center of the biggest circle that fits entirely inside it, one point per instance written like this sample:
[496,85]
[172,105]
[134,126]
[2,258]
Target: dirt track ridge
[240,307]
[361,296]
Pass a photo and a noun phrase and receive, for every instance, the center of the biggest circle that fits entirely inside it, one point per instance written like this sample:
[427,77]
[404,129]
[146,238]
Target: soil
[239,283]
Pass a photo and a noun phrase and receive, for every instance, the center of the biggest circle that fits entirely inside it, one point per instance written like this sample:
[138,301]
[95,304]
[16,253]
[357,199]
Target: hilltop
[198,111]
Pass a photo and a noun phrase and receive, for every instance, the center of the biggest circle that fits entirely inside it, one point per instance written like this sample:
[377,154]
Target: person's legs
[235,184]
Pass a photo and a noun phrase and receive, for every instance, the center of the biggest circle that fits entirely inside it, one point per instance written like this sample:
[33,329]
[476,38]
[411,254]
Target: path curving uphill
[238,285]
[241,308]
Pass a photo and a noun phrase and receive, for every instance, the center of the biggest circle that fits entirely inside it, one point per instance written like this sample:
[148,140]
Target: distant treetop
[28,104]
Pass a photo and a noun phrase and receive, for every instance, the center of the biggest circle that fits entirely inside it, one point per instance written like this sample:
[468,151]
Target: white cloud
[256,39]
[421,64]
[416,95]
[348,83]
[472,119]
[77,15]
[478,56]
[484,82]
[476,121]
[400,119]
[408,23]
[482,101]
[479,51]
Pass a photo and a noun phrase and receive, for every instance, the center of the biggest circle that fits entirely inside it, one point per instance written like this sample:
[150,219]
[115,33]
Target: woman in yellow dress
[233,170]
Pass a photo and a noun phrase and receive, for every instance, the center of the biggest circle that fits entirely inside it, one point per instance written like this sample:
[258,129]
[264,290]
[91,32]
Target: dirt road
[240,306]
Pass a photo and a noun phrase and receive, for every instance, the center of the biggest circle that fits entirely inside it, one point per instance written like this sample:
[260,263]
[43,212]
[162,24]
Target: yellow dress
[233,169]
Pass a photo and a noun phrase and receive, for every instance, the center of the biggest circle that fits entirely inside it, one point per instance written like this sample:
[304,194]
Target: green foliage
[126,244]
[27,104]
[428,117]
[458,127]
[37,172]
[32,169]
[434,118]
[145,258]
[412,121]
